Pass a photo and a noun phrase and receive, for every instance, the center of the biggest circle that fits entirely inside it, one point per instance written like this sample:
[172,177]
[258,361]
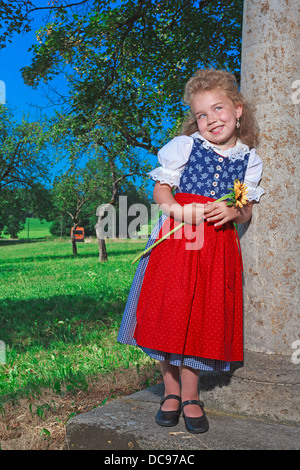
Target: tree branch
[52,7]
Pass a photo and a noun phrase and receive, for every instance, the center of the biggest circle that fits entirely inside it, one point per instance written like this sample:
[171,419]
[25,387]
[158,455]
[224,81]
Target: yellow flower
[237,197]
[240,190]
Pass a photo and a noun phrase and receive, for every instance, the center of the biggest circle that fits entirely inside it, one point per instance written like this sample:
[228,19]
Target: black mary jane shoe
[168,418]
[195,425]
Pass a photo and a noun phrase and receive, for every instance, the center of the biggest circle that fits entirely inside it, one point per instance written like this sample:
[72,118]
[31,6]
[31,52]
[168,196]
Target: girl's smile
[217,130]
[216,117]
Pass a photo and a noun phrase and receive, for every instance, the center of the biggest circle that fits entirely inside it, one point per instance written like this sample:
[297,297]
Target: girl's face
[216,117]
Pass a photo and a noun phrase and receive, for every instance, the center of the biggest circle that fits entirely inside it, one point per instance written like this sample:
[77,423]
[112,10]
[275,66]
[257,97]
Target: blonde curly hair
[209,79]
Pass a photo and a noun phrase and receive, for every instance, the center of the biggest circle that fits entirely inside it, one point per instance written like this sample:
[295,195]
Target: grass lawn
[34,228]
[59,319]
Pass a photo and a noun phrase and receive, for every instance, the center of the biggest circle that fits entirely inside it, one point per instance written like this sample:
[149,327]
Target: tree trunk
[73,239]
[102,250]
[74,246]
[99,231]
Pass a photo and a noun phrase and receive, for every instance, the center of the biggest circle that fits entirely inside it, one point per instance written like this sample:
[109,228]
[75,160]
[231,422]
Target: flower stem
[224,197]
[156,243]
[230,195]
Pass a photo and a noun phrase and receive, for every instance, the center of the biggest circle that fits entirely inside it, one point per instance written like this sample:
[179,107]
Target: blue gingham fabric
[128,323]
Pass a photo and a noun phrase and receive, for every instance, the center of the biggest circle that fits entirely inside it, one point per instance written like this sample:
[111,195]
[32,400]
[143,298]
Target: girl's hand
[190,213]
[220,212]
[193,213]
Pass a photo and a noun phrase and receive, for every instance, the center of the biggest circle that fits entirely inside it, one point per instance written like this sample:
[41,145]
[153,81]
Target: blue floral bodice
[210,174]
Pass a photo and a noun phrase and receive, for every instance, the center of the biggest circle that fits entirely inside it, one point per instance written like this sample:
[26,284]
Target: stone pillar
[270,67]
[268,384]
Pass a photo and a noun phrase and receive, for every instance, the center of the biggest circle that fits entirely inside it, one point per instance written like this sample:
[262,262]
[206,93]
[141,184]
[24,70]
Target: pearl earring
[237,123]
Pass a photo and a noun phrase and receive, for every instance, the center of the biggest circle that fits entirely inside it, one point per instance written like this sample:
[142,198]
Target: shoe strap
[170,396]
[192,402]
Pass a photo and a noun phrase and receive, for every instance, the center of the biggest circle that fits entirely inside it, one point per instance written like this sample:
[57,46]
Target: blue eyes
[218,108]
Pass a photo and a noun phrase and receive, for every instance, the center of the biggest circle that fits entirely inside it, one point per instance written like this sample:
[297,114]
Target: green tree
[23,157]
[61,226]
[16,16]
[126,63]
[110,161]
[24,167]
[13,212]
[95,183]
[38,202]
[71,191]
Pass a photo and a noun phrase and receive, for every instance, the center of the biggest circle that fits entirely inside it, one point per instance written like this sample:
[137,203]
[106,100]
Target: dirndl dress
[186,305]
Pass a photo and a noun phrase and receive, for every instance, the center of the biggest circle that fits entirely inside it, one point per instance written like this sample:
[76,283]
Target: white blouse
[175,154]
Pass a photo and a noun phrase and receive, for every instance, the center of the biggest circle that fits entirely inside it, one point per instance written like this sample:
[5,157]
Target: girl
[185,304]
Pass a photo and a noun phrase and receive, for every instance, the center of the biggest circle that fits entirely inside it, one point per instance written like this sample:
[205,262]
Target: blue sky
[24,100]
[21,98]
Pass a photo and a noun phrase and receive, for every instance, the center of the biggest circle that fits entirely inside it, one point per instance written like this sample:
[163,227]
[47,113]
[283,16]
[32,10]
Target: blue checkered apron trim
[128,323]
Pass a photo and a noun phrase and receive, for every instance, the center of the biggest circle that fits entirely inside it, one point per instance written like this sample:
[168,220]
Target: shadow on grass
[52,326]
[47,257]
[112,251]
[38,322]
[20,241]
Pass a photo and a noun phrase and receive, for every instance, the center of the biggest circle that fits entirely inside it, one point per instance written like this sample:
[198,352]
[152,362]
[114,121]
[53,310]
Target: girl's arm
[221,213]
[190,213]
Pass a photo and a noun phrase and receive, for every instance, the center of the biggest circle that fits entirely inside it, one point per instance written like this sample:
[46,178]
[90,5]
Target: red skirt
[191,300]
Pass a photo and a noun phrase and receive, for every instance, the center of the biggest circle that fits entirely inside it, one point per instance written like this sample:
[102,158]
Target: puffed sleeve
[173,158]
[253,177]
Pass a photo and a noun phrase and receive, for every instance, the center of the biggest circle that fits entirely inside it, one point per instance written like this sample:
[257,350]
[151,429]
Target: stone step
[129,424]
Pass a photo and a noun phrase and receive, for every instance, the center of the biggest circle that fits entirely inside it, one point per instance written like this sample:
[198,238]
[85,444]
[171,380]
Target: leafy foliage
[23,158]
[14,19]
[127,63]
[13,212]
[17,16]
[24,166]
